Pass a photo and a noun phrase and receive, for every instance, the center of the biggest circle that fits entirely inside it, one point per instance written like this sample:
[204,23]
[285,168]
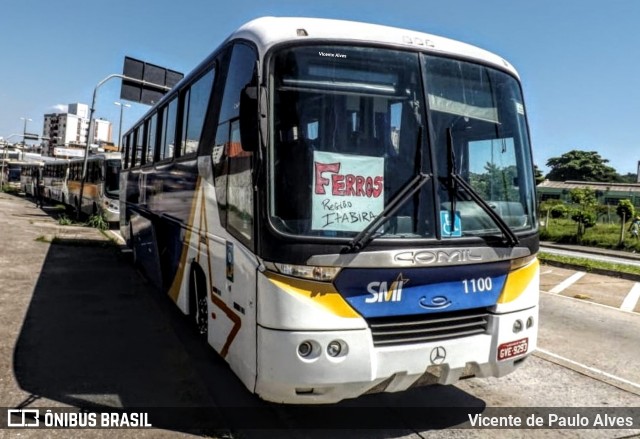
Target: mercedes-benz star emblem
[438,355]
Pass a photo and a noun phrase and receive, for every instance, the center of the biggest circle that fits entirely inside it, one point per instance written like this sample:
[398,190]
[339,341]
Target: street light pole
[90,133]
[121,105]
[24,131]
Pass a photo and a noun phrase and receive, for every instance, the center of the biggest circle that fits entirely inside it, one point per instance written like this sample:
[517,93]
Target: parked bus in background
[55,175]
[341,208]
[101,190]
[29,172]
[13,174]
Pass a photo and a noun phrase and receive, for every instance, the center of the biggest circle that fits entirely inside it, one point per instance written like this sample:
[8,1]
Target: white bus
[341,208]
[62,179]
[54,175]
[29,174]
[101,192]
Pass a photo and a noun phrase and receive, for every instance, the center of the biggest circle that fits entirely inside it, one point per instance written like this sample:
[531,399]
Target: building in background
[67,132]
[606,193]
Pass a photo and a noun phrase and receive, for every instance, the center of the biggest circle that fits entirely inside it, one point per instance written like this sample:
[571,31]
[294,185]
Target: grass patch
[589,265]
[10,189]
[42,238]
[602,235]
[64,220]
[98,221]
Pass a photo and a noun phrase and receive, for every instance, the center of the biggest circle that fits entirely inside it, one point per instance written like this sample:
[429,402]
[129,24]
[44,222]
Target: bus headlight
[323,274]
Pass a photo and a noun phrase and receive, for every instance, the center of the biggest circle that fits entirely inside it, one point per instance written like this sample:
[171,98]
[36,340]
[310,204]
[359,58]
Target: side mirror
[249,124]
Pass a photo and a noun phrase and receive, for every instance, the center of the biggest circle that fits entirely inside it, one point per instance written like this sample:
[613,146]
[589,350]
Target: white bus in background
[341,208]
[54,174]
[62,180]
[29,174]
[101,190]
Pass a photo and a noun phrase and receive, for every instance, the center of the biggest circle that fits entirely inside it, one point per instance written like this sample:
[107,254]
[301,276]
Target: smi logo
[380,292]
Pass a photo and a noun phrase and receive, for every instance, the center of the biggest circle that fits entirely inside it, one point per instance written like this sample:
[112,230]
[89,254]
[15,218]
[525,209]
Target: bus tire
[198,308]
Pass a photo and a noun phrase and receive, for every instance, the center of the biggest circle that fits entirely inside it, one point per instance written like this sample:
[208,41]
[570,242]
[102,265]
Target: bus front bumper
[285,376]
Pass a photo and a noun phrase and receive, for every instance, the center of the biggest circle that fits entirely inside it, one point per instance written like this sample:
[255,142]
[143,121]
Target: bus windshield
[353,127]
[112,178]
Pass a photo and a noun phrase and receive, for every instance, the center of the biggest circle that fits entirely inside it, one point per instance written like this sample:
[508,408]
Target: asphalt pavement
[79,327]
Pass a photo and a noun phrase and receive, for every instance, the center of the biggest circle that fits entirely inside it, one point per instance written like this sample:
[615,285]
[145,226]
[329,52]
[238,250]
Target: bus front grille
[426,328]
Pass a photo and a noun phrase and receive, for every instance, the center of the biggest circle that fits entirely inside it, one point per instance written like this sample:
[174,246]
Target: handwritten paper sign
[348,191]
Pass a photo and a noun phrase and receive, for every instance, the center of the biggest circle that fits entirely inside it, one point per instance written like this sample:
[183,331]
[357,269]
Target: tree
[625,210]
[585,213]
[537,175]
[629,178]
[581,166]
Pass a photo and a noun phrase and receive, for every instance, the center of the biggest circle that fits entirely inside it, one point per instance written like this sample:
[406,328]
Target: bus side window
[168,130]
[220,171]
[139,144]
[196,102]
[232,174]
[127,151]
[152,126]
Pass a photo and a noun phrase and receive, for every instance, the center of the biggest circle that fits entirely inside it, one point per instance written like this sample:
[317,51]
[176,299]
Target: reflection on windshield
[345,141]
[482,111]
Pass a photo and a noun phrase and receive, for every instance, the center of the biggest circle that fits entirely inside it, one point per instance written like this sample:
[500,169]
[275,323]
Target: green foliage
[98,221]
[629,178]
[559,211]
[496,183]
[584,218]
[563,231]
[555,208]
[625,210]
[585,197]
[538,175]
[64,220]
[584,214]
[581,166]
[10,189]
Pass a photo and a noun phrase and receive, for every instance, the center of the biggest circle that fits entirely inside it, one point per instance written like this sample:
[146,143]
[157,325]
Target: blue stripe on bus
[393,292]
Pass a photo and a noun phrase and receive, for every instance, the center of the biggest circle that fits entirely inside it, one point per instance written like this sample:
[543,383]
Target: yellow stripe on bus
[518,281]
[174,290]
[323,294]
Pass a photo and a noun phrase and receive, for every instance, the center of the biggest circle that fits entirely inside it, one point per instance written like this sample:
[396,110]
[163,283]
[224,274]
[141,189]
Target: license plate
[513,349]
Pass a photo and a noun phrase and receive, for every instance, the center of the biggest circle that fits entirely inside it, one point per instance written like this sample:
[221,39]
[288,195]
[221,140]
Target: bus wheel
[198,312]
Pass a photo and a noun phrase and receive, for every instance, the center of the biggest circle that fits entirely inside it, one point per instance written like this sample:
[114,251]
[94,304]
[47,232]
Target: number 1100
[477,285]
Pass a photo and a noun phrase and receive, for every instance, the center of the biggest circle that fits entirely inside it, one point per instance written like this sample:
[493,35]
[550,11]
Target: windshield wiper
[365,236]
[409,190]
[454,180]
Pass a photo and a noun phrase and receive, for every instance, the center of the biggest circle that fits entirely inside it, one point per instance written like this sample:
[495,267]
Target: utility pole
[24,131]
[121,105]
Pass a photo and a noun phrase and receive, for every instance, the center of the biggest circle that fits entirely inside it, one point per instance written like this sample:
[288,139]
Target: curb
[591,250]
[611,273]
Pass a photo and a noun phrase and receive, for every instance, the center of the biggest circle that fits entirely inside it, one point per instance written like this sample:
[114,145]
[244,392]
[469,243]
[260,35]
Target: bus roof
[266,32]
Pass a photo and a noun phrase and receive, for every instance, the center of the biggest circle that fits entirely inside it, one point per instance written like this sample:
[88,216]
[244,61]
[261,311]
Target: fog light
[517,326]
[529,322]
[305,349]
[334,348]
